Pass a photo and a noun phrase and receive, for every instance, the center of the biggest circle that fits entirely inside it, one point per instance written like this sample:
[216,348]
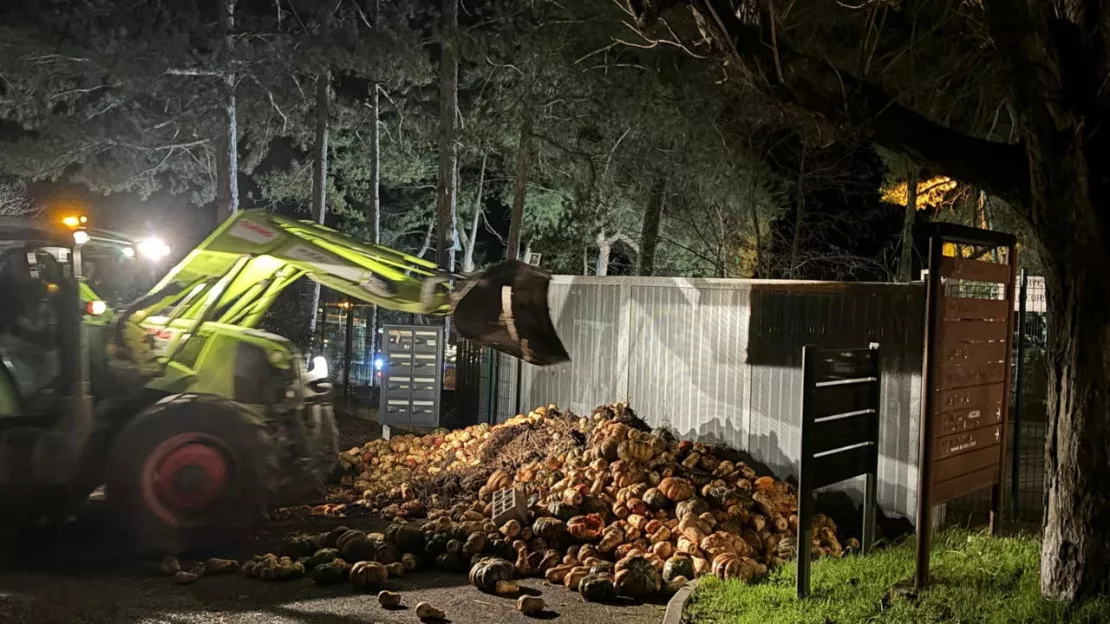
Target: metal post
[933,298]
[1015,470]
[999,490]
[348,335]
[870,492]
[805,478]
[519,383]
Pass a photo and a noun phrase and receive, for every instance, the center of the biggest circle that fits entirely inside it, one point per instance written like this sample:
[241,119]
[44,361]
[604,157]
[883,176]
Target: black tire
[309,476]
[327,453]
[236,445]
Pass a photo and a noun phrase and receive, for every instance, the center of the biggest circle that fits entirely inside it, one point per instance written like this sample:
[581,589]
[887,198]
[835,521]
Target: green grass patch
[975,579]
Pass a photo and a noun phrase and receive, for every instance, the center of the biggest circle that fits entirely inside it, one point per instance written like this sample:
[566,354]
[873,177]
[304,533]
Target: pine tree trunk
[227,186]
[475,221]
[604,251]
[523,163]
[649,234]
[446,207]
[374,214]
[319,178]
[905,263]
[374,218]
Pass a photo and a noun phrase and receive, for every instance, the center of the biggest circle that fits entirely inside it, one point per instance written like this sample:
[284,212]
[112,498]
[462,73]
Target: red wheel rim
[184,476]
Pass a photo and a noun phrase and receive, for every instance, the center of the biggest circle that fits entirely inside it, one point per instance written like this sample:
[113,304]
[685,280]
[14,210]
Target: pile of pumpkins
[382,473]
[625,512]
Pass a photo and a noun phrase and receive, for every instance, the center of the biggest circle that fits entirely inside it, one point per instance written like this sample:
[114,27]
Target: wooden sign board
[840,435]
[967,374]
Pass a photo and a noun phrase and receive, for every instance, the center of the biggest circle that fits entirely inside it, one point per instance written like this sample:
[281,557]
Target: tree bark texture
[1068,158]
[653,216]
[1056,176]
[319,177]
[905,262]
[523,164]
[446,202]
[604,251]
[475,220]
[374,213]
[227,185]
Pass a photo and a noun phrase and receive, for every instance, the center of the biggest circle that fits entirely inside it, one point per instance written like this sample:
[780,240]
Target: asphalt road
[78,576]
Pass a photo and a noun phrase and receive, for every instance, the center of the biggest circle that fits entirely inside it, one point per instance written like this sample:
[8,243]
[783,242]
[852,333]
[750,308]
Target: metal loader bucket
[506,308]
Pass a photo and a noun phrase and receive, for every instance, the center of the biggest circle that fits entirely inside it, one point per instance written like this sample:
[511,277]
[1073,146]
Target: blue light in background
[377,363]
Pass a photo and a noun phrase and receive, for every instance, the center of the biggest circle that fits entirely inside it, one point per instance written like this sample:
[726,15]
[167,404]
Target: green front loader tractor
[194,420]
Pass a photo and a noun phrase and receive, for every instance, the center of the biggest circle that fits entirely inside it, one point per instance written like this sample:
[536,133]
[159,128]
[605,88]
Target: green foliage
[133,98]
[975,578]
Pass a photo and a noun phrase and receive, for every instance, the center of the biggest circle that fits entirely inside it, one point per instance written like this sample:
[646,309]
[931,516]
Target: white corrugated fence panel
[720,360]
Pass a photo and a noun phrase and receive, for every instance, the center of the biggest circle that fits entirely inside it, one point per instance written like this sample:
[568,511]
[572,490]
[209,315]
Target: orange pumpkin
[635,451]
[676,489]
[731,566]
[585,528]
[499,480]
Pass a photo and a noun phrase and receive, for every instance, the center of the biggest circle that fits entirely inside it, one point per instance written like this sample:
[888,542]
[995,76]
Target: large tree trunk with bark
[653,216]
[1073,226]
[523,164]
[319,178]
[446,201]
[1075,557]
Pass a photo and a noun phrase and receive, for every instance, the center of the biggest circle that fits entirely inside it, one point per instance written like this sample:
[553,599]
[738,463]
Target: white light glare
[80,237]
[153,249]
[129,252]
[319,369]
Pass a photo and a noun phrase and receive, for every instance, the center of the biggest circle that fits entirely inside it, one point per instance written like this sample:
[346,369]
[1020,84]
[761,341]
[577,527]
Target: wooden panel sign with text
[969,330]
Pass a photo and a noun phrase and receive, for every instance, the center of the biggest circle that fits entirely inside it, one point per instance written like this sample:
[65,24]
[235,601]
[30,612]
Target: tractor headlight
[80,237]
[318,370]
[153,248]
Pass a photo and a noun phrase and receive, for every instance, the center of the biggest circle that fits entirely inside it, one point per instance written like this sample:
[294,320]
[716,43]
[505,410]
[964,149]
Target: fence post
[519,385]
[1015,469]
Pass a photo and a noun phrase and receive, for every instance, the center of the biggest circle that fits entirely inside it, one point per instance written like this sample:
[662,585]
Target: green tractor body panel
[9,404]
[196,321]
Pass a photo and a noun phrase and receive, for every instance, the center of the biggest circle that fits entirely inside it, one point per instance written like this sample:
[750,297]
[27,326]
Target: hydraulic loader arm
[236,274]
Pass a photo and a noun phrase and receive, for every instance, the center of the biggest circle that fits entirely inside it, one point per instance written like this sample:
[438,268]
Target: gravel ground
[77,576]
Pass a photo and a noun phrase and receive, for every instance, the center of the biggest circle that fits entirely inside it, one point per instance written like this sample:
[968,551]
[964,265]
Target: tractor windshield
[116,276]
[30,338]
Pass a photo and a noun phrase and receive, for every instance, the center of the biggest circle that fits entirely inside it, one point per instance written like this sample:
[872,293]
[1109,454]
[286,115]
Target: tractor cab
[39,320]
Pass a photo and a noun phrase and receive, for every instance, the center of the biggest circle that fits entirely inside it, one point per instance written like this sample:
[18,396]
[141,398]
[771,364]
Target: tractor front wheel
[189,472]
